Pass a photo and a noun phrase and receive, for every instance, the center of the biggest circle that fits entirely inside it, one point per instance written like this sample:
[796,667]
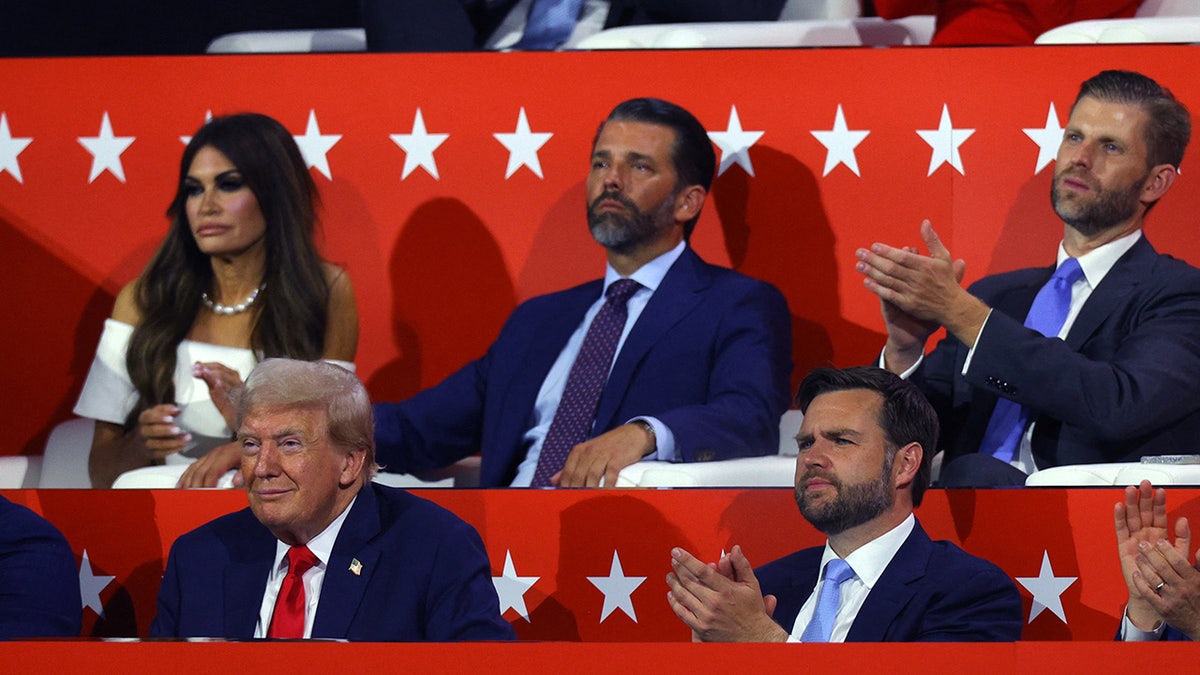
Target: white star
[511,588]
[1047,138]
[523,146]
[9,149]
[1046,589]
[617,589]
[735,143]
[90,585]
[945,141]
[418,147]
[106,150]
[839,144]
[207,119]
[313,145]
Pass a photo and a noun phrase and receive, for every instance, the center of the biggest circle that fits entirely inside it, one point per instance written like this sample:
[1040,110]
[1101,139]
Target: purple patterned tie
[576,412]
[1046,315]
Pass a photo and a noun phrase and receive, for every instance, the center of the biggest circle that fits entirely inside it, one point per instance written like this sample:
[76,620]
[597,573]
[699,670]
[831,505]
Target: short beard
[1109,208]
[622,233]
[854,504]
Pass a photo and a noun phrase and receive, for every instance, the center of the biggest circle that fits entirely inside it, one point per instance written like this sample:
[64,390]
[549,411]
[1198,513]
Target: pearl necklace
[226,310]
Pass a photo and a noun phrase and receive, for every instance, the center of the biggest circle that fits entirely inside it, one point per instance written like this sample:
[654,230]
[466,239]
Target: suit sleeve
[437,426]
[1147,384]
[461,603]
[166,619]
[39,585]
[748,386]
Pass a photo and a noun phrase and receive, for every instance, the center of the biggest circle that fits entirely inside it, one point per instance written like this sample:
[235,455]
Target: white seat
[290,41]
[20,472]
[870,31]
[1160,29]
[770,471]
[464,473]
[65,462]
[1118,474]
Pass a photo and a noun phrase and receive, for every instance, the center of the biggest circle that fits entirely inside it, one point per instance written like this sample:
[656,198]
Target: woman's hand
[158,433]
[221,380]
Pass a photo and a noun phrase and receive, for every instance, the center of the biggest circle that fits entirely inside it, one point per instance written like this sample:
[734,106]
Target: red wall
[438,263]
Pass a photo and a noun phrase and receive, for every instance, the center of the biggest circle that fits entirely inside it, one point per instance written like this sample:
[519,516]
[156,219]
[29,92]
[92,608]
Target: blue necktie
[549,24]
[1046,315]
[821,626]
[576,411]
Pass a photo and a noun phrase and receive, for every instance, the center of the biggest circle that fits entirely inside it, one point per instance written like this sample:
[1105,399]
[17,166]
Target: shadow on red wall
[792,248]
[448,281]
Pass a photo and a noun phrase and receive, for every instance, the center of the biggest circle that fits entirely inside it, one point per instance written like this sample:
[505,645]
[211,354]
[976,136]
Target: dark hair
[905,416]
[692,153]
[291,312]
[1169,128]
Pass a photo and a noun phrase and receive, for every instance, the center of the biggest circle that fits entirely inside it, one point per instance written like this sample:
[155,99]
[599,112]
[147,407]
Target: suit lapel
[678,294]
[893,590]
[342,590]
[546,342]
[246,579]
[1113,291]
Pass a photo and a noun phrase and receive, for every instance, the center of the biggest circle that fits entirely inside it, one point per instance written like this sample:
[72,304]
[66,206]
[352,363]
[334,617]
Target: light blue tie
[821,626]
[549,24]
[1046,315]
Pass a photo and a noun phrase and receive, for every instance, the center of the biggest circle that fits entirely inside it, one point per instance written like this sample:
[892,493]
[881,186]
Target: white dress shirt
[868,562]
[650,276]
[322,547]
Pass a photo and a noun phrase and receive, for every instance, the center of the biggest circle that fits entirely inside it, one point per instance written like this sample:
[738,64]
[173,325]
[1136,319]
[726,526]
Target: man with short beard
[666,357]
[1091,360]
[861,469]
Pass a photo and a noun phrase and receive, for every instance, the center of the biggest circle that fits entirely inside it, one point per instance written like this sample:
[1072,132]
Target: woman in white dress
[237,279]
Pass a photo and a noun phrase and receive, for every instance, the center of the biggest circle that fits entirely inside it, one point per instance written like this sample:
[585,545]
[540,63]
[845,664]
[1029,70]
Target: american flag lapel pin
[356,567]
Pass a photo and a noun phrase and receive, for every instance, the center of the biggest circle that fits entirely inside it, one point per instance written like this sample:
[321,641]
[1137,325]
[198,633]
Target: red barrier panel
[1060,658]
[556,540]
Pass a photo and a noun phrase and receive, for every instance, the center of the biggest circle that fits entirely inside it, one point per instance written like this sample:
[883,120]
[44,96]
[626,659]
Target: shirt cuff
[663,438]
[971,351]
[1131,633]
[907,373]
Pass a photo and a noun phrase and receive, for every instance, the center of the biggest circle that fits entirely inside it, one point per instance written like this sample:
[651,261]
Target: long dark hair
[290,314]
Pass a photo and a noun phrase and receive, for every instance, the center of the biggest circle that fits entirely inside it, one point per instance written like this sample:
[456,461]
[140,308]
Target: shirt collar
[651,274]
[1099,261]
[872,558]
[322,544]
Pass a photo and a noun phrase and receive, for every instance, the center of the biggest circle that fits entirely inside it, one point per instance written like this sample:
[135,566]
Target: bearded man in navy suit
[385,565]
[861,469]
[1117,378]
[701,369]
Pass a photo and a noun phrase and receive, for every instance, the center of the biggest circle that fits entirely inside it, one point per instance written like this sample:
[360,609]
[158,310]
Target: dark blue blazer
[932,591]
[424,577]
[39,583]
[1122,385]
[710,356]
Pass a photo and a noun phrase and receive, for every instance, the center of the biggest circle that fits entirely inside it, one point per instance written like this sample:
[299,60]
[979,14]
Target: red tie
[288,619]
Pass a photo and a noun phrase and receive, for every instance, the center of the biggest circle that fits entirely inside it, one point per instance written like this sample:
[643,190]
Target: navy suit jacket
[710,356]
[39,583]
[1122,385]
[931,591]
[424,577]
